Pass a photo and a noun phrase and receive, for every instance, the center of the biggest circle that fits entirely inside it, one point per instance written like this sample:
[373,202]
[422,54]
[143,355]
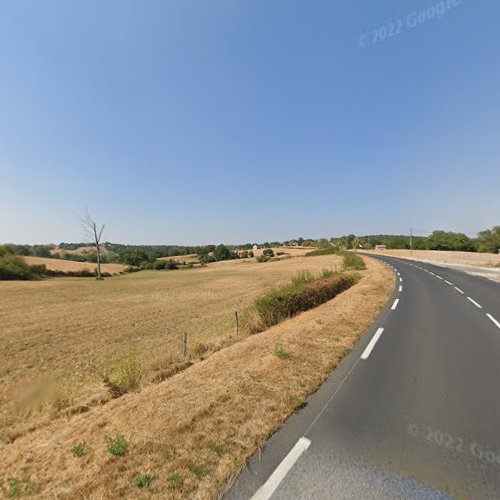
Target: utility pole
[411,242]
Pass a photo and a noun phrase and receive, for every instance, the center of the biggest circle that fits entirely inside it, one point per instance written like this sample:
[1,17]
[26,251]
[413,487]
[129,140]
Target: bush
[13,267]
[302,294]
[353,261]
[331,250]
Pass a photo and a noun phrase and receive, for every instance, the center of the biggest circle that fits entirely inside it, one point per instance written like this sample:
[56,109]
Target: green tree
[489,240]
[221,252]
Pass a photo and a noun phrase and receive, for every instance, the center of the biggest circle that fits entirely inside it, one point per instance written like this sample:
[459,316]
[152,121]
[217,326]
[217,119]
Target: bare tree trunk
[98,253]
[95,234]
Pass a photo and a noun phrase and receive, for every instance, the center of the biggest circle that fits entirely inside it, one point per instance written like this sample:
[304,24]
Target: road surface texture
[412,412]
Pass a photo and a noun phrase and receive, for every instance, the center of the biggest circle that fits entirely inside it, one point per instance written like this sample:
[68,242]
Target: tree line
[486,241]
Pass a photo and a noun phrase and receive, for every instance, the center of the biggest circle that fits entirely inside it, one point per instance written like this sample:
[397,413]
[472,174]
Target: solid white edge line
[396,302]
[458,290]
[269,487]
[401,288]
[371,344]
[493,319]
[475,303]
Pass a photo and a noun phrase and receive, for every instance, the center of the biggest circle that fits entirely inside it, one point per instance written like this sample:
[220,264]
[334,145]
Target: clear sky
[206,121]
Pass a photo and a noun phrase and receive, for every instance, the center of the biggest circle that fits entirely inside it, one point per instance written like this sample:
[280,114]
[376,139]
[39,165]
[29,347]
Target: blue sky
[230,121]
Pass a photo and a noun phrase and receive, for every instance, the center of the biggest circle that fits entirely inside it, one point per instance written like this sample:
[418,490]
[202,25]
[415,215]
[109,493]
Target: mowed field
[445,257]
[69,265]
[60,336]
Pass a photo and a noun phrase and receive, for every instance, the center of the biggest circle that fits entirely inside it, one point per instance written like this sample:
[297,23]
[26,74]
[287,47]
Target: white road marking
[269,487]
[449,283]
[438,277]
[475,303]
[430,272]
[401,280]
[401,288]
[371,344]
[399,274]
[458,290]
[494,320]
[396,302]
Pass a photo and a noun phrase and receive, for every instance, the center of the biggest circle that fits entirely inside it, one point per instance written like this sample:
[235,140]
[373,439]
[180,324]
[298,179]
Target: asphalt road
[412,412]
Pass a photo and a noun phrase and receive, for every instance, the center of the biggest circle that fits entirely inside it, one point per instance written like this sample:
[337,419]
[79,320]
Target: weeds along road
[412,412]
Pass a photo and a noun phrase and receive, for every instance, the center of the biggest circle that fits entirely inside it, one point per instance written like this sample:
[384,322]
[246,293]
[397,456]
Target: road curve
[412,412]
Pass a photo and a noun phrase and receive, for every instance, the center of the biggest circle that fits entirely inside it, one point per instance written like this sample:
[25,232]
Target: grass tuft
[79,450]
[117,446]
[175,481]
[198,470]
[282,353]
[353,262]
[143,481]
[218,449]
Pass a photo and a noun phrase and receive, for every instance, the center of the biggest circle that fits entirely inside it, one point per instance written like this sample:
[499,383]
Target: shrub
[331,250]
[117,446]
[353,261]
[13,267]
[268,252]
[301,295]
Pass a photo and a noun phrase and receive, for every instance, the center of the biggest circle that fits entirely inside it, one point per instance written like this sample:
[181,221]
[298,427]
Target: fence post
[237,322]
[185,344]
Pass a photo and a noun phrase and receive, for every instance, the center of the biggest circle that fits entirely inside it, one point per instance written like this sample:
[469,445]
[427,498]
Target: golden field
[60,336]
[193,431]
[445,257]
[69,265]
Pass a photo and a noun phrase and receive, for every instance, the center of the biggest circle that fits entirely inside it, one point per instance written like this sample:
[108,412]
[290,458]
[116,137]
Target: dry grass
[188,259]
[78,251]
[195,430]
[129,327]
[69,265]
[445,257]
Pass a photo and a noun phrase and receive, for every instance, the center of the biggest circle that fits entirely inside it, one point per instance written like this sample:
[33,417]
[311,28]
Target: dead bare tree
[95,234]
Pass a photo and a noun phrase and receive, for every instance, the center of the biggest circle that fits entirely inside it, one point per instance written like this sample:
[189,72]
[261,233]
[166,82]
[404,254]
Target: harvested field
[444,257]
[69,265]
[76,329]
[194,431]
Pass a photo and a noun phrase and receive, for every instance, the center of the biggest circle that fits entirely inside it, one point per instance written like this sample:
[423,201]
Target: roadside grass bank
[186,437]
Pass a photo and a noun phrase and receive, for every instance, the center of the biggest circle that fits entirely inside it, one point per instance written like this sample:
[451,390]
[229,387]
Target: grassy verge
[185,437]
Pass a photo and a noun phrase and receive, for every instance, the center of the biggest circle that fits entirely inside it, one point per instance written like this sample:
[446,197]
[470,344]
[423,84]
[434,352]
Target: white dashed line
[458,290]
[396,302]
[399,274]
[371,344]
[269,487]
[446,281]
[401,280]
[438,277]
[475,303]
[494,320]
[430,272]
[401,288]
